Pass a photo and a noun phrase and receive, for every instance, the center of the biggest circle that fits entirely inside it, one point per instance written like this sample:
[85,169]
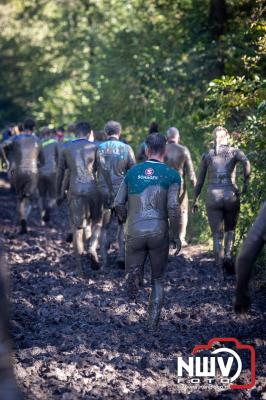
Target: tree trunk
[217,24]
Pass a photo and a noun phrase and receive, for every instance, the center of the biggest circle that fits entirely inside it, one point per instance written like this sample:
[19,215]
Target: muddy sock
[23,227]
[69,237]
[218,252]
[155,303]
[133,281]
[46,216]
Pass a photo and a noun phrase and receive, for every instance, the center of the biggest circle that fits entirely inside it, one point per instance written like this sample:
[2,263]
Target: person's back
[78,159]
[49,153]
[179,158]
[79,156]
[223,197]
[221,164]
[176,157]
[28,156]
[148,185]
[26,150]
[47,175]
[115,158]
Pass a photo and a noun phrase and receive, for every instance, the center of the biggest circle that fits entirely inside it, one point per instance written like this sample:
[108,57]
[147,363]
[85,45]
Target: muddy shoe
[120,261]
[94,261]
[23,227]
[69,238]
[80,265]
[154,316]
[229,266]
[241,308]
[133,282]
[46,217]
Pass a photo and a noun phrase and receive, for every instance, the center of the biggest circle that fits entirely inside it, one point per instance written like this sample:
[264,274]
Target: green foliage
[137,61]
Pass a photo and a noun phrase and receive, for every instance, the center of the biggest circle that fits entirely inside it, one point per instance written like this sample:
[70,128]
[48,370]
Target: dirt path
[80,339]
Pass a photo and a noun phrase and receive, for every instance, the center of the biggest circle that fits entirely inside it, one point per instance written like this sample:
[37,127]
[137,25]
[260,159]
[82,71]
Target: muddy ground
[77,338]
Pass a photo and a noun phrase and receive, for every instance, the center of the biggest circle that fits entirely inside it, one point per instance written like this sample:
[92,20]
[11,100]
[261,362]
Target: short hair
[156,142]
[20,127]
[173,132]
[83,128]
[154,127]
[29,124]
[112,128]
[100,136]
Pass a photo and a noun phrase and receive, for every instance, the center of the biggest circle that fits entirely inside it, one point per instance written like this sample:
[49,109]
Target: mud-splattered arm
[189,168]
[249,252]
[131,158]
[241,157]
[121,201]
[102,169]
[61,170]
[41,158]
[3,147]
[201,178]
[173,208]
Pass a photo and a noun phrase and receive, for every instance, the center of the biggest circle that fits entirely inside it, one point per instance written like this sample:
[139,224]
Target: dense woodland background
[189,63]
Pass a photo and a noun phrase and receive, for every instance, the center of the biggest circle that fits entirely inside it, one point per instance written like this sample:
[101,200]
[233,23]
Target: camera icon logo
[225,362]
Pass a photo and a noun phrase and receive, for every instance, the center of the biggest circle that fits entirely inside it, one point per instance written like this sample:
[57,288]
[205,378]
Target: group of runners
[103,180]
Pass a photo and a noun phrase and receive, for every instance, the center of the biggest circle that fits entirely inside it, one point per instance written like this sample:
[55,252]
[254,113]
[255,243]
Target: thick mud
[79,338]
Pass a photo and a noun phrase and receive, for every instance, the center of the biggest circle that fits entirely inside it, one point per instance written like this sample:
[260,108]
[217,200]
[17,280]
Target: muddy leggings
[47,190]
[156,246]
[26,185]
[85,210]
[223,207]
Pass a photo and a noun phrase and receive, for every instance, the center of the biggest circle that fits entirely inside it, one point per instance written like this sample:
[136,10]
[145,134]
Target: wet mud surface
[79,338]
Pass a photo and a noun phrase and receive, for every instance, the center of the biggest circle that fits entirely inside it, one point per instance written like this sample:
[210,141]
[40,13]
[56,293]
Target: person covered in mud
[114,159]
[251,247]
[147,199]
[47,174]
[179,158]
[141,154]
[8,385]
[223,196]
[78,158]
[62,140]
[28,156]
[10,132]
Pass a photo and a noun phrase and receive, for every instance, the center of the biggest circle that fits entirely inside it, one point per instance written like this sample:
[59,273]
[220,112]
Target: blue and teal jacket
[148,197]
[114,159]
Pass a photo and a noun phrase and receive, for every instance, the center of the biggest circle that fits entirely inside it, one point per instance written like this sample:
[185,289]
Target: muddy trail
[77,338]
